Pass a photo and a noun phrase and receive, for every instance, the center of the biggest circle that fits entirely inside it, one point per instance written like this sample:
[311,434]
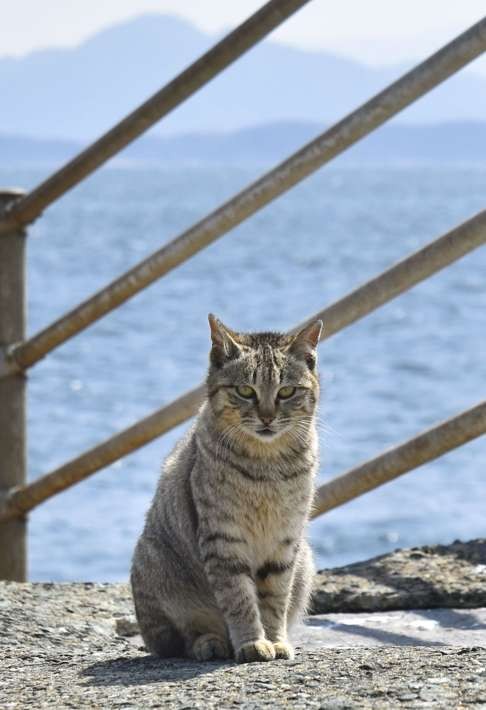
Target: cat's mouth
[263,433]
[266,431]
[267,434]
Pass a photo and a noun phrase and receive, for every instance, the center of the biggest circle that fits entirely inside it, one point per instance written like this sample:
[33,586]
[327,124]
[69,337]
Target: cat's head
[263,385]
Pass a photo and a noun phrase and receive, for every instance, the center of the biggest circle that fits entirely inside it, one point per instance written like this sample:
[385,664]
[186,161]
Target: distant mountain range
[447,142]
[78,93]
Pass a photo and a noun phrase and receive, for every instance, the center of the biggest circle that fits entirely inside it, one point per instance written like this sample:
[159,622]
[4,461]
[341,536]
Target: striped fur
[222,567]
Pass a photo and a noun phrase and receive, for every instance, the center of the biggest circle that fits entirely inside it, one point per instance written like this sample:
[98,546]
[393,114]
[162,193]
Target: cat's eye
[286,392]
[245,391]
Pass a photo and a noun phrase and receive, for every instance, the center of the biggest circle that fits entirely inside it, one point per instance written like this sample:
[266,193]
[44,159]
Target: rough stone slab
[59,649]
[419,578]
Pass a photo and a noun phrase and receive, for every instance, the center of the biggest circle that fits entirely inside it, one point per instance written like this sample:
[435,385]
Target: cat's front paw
[283,650]
[261,650]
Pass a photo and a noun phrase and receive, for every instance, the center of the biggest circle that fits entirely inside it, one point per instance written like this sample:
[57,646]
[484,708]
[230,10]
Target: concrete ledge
[66,645]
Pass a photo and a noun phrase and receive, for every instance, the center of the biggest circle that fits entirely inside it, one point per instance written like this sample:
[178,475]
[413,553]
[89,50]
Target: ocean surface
[413,363]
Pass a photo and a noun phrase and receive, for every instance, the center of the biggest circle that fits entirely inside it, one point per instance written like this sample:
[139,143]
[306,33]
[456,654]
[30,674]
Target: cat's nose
[267,419]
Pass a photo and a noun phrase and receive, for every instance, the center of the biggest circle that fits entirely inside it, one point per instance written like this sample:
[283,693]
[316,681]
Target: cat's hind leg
[201,626]
[190,633]
[208,647]
[160,636]
[159,633]
[175,610]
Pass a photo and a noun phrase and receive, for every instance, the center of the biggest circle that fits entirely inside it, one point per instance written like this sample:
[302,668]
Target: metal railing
[18,353]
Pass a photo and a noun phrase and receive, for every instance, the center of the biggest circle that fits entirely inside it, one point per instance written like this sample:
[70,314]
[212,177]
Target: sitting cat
[222,567]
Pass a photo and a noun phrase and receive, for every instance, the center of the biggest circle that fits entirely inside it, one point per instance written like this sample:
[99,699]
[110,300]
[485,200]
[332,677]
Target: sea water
[409,365]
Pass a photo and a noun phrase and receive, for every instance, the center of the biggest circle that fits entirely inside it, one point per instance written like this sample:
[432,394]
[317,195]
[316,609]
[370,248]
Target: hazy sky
[376,31]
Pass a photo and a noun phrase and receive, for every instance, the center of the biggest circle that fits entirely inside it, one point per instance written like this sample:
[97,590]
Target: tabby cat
[222,568]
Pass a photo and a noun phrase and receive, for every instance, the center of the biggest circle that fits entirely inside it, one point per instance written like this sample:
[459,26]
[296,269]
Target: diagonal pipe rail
[321,150]
[358,303]
[184,85]
[391,464]
[394,462]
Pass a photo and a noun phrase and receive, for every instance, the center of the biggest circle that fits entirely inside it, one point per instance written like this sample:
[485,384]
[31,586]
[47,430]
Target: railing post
[13,553]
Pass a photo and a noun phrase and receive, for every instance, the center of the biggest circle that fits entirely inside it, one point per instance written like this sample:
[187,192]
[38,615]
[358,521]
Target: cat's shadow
[146,670]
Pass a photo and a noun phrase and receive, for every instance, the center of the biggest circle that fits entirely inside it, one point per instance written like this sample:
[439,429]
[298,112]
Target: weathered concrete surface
[420,578]
[59,649]
[61,646]
[421,627]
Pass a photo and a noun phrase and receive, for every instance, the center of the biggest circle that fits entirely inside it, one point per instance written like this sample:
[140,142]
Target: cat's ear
[305,343]
[225,342]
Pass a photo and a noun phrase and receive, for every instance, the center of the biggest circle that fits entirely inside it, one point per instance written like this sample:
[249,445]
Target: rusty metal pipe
[19,501]
[425,447]
[13,459]
[218,58]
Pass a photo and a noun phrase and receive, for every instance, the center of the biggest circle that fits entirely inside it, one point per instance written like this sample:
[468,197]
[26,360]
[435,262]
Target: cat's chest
[270,518]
